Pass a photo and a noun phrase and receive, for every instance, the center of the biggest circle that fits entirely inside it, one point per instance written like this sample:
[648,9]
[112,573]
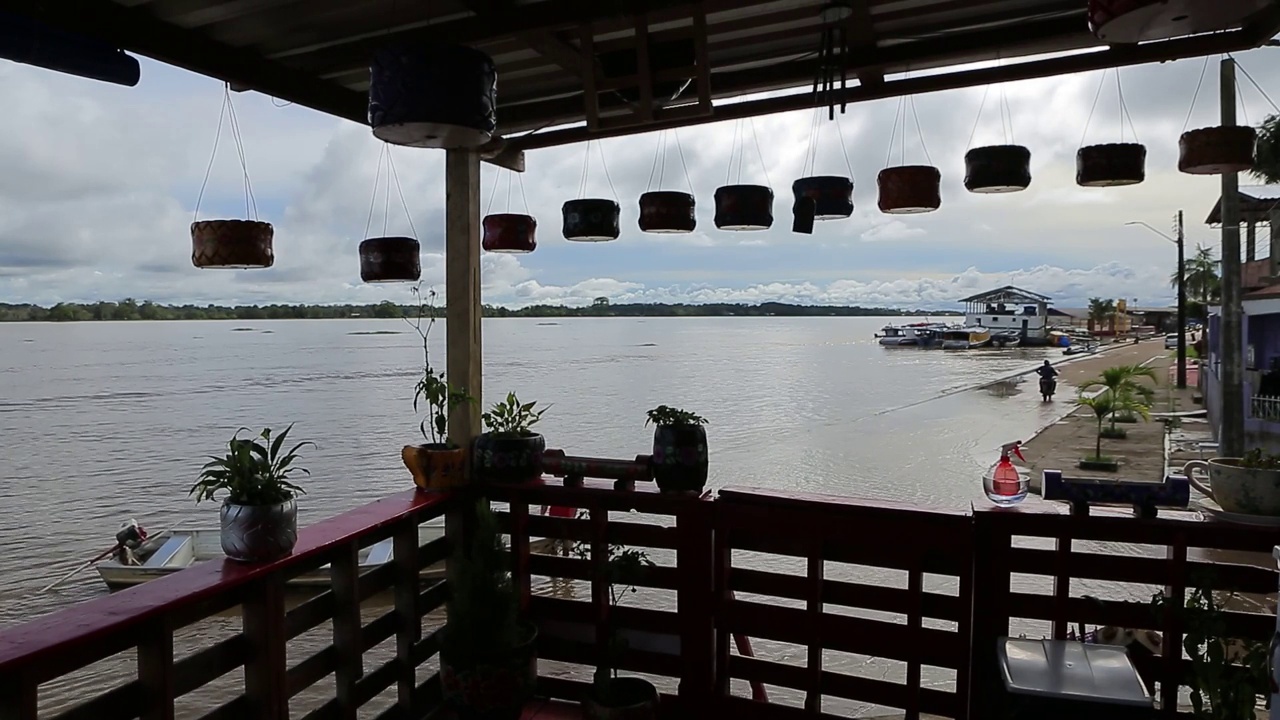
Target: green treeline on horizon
[131,309]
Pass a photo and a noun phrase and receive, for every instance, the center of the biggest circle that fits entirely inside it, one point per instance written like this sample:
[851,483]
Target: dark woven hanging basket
[390,259]
[1217,150]
[909,189]
[509,233]
[744,207]
[439,96]
[997,169]
[232,244]
[591,220]
[667,211]
[832,195]
[1111,165]
[1133,21]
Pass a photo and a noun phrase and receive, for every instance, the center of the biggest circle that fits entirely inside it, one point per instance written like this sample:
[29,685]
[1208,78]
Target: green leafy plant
[253,472]
[511,417]
[664,415]
[483,609]
[1256,458]
[622,569]
[432,389]
[1131,397]
[1226,676]
[1102,405]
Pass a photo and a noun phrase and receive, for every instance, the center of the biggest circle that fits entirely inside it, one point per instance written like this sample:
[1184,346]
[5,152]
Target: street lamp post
[1182,296]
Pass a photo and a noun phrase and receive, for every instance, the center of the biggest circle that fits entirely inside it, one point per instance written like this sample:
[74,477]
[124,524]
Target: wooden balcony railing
[853,605]
[141,622]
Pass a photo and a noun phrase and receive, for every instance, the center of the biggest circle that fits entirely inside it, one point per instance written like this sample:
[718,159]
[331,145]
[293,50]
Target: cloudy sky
[98,185]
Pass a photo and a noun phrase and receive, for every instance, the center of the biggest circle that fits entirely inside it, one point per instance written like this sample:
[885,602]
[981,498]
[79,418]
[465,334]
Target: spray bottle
[1004,484]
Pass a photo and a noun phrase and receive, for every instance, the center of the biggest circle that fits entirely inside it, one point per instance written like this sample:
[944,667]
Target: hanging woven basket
[440,96]
[390,259]
[1217,150]
[509,233]
[832,195]
[1111,165]
[232,244]
[667,211]
[997,169]
[744,207]
[591,220]
[909,189]
[1133,21]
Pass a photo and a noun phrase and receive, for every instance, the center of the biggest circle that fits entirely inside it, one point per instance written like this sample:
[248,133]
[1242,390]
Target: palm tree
[1125,392]
[1102,406]
[1201,278]
[1266,162]
[1100,310]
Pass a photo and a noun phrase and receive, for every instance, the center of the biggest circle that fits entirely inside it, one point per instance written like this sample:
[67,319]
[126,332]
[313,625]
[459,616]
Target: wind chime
[833,56]
[509,232]
[821,197]
[667,211]
[908,189]
[592,219]
[1216,150]
[739,206]
[389,258]
[231,244]
[1111,164]
[997,168]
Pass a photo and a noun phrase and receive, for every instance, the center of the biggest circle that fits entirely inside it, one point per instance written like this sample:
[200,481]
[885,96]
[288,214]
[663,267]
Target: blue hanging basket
[441,96]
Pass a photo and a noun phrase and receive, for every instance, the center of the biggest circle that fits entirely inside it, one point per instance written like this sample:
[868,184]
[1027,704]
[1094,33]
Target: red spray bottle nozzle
[1012,447]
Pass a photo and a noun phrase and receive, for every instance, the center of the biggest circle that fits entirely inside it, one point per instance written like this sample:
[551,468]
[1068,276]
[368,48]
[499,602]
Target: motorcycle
[1047,387]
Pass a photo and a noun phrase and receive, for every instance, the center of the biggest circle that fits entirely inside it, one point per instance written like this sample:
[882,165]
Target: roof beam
[544,42]
[1118,56]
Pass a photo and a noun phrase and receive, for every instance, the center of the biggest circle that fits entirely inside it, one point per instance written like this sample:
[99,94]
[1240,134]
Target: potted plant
[680,455]
[488,662]
[612,697]
[508,451]
[1248,485]
[439,463]
[1133,398]
[259,515]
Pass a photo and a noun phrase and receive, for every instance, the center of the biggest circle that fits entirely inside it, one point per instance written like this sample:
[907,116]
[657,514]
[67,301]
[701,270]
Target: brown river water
[105,421]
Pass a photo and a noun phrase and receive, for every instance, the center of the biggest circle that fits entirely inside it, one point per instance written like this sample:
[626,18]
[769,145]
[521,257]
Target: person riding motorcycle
[1048,374]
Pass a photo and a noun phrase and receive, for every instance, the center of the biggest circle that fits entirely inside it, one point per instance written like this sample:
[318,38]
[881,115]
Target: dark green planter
[680,458]
[628,698]
[493,685]
[1104,465]
[498,458]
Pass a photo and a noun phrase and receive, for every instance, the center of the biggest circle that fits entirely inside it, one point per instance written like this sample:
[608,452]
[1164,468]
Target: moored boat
[1006,338]
[921,334]
[966,338]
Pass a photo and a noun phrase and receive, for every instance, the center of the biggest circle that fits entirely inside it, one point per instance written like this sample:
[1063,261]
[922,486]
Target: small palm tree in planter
[438,464]
[1122,382]
[508,451]
[488,662]
[259,515]
[680,456]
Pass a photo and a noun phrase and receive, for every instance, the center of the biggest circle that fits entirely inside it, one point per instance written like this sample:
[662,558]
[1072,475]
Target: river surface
[105,421]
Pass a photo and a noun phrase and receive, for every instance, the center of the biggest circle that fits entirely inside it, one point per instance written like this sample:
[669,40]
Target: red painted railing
[854,605]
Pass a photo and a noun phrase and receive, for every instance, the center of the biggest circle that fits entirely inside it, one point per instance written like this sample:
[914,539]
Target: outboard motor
[129,538]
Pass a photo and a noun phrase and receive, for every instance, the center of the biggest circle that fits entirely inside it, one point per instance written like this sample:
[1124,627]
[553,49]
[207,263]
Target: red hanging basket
[666,211]
[390,259]
[509,233]
[744,207]
[997,169]
[1111,165]
[1217,150]
[232,244]
[910,189]
[1133,21]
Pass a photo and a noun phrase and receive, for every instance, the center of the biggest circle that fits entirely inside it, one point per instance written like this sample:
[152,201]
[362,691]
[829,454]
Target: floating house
[1011,308]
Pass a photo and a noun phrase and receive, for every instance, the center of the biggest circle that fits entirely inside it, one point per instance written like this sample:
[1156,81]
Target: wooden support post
[696,599]
[266,685]
[1274,222]
[155,671]
[462,289]
[813,608]
[409,625]
[344,575]
[1231,434]
[1251,241]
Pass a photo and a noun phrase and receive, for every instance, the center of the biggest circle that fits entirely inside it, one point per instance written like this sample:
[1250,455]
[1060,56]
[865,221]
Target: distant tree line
[131,309]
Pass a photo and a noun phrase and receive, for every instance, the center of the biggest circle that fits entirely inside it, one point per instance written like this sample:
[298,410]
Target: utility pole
[1182,307]
[1231,435]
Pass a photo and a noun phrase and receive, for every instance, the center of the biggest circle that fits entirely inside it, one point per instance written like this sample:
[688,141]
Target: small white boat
[177,549]
[921,334]
[1006,338]
[966,338]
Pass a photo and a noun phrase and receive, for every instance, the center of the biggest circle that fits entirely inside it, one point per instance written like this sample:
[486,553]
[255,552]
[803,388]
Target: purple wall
[1264,335]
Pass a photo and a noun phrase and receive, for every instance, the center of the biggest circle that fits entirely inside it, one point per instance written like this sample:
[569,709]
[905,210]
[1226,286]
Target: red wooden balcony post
[19,698]
[989,608]
[696,602]
[265,674]
[409,625]
[600,578]
[520,551]
[344,573]
[1171,622]
[155,671]
[813,607]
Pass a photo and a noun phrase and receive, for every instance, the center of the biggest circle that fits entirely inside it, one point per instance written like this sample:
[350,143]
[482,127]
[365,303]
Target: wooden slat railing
[145,619]
[1165,554]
